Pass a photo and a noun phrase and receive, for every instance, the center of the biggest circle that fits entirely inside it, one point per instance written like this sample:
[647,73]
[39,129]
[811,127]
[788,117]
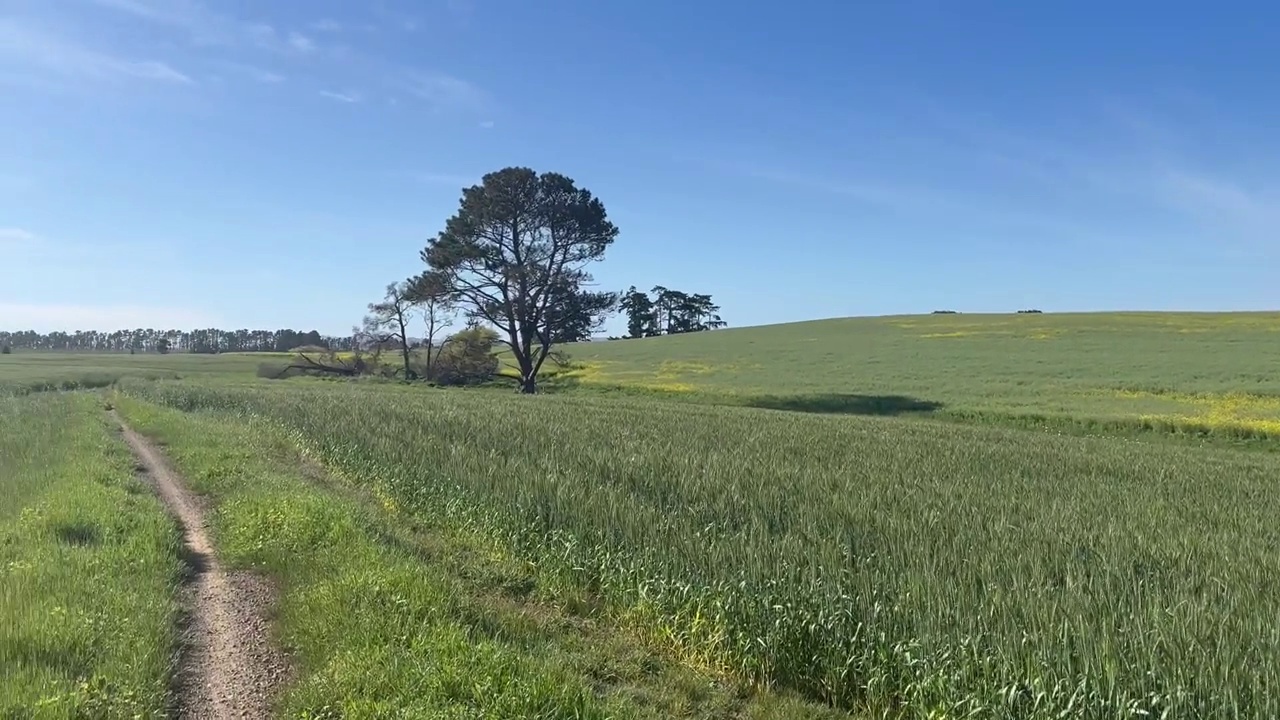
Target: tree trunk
[431,341]
[404,344]
[523,350]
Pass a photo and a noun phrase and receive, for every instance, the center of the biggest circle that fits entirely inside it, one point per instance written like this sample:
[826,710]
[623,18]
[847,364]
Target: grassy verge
[388,616]
[89,566]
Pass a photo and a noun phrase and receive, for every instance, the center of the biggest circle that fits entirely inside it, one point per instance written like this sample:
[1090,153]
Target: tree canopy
[668,312]
[388,322]
[515,255]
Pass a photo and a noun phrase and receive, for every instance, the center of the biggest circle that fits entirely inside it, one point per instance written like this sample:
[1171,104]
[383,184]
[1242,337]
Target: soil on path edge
[229,667]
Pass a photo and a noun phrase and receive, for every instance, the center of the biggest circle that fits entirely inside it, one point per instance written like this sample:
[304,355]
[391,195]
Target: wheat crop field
[944,516]
[1196,372]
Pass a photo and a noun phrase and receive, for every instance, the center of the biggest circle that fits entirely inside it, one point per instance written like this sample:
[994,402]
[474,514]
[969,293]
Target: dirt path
[229,667]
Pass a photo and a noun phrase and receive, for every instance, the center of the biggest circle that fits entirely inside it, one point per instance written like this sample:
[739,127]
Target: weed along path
[229,666]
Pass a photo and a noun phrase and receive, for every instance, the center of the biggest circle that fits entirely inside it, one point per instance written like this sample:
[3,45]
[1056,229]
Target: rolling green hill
[1195,371]
[1213,373]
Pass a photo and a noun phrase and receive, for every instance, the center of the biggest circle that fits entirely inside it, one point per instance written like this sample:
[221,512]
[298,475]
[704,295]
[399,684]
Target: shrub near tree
[466,358]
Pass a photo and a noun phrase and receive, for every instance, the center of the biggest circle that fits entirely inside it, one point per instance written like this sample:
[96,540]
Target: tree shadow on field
[846,404]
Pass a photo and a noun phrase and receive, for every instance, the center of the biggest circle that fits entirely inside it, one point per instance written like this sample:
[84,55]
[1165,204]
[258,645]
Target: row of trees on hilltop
[668,312]
[513,260]
[209,340]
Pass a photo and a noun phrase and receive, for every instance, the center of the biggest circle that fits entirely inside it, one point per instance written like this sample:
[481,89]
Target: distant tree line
[1020,312]
[668,312]
[210,340]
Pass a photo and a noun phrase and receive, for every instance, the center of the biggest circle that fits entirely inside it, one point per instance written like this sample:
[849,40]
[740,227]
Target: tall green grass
[88,568]
[390,618]
[896,566]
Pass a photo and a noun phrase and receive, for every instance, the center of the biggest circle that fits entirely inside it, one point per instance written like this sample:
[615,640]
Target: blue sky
[245,163]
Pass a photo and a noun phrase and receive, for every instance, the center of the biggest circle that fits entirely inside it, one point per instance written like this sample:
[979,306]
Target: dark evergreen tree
[519,242]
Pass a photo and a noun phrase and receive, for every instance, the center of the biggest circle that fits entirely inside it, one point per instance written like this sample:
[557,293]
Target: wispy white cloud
[1217,196]
[1140,173]
[152,70]
[174,12]
[1223,206]
[874,193]
[340,97]
[253,72]
[395,18]
[1155,166]
[204,26]
[267,37]
[50,317]
[16,236]
[301,43]
[446,92]
[486,124]
[919,200]
[36,50]
[242,46]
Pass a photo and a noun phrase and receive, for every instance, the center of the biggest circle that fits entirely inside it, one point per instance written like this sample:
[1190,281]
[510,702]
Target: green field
[38,371]
[880,564]
[88,568]
[387,616]
[1203,372]
[884,515]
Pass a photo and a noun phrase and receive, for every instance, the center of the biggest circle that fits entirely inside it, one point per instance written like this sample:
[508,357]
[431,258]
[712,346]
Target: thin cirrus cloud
[340,97]
[171,12]
[1247,215]
[1162,187]
[301,43]
[327,25]
[262,75]
[205,27]
[1153,166]
[31,49]
[16,236]
[267,37]
[922,200]
[446,92]
[234,41]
